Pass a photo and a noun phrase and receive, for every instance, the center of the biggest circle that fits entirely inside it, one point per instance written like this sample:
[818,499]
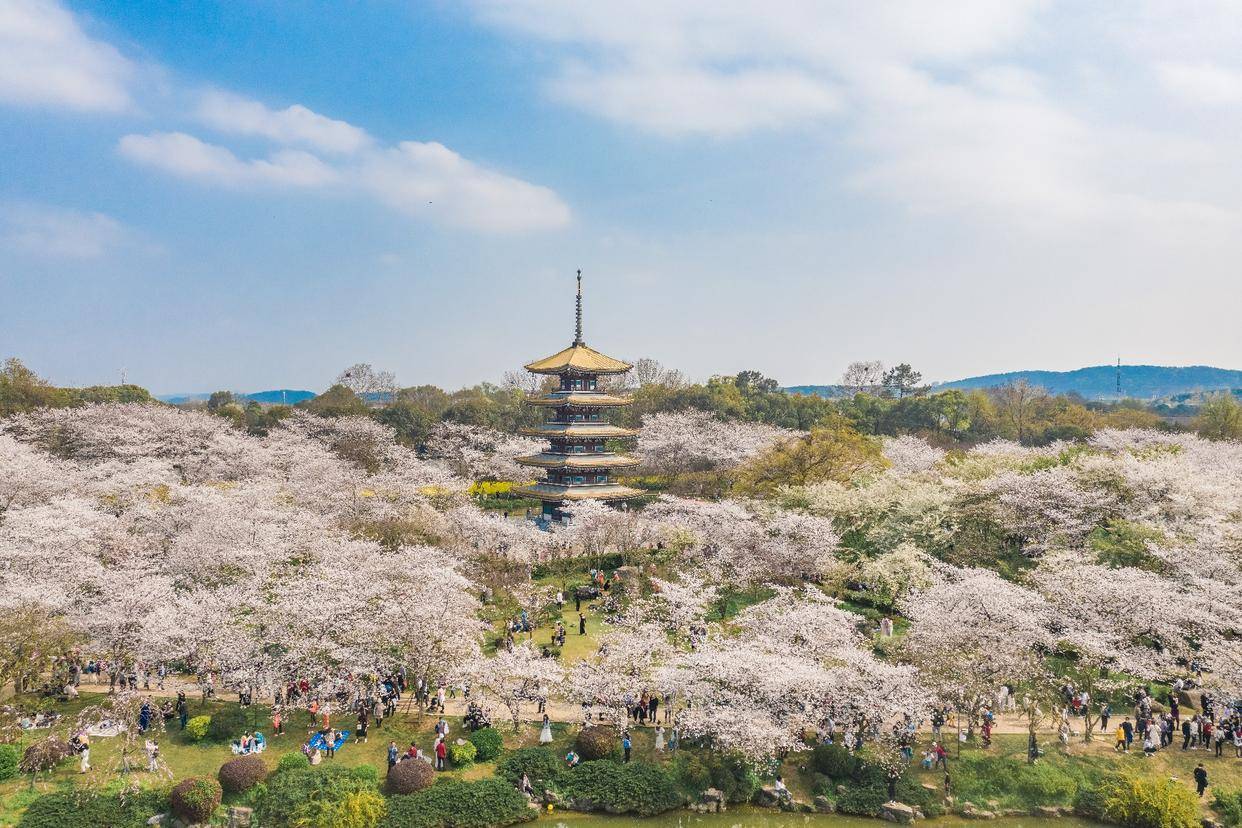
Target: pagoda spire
[578,314]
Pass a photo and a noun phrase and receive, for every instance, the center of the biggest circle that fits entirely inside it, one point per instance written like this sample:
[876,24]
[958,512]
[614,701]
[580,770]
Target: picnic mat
[317,741]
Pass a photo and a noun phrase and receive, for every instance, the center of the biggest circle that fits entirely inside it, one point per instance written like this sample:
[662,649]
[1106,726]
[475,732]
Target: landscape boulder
[897,812]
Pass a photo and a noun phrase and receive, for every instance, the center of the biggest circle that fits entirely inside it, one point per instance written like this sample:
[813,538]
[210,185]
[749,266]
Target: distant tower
[577,464]
[1118,377]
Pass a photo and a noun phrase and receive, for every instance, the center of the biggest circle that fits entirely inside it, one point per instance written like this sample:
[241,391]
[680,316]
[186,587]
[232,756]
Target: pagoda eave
[554,493]
[604,430]
[551,460]
[580,401]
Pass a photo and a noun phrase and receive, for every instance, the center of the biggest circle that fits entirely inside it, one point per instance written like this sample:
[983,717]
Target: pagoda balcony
[578,491]
[578,429]
[587,399]
[578,461]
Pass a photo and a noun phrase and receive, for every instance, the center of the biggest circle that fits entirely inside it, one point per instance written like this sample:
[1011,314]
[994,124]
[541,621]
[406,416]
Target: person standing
[626,744]
[183,709]
[153,755]
[581,624]
[1201,779]
[653,706]
[545,735]
[84,753]
[441,753]
[363,720]
[1105,712]
[393,753]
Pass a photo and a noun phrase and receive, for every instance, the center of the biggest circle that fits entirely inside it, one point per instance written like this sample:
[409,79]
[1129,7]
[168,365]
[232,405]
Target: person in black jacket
[1201,779]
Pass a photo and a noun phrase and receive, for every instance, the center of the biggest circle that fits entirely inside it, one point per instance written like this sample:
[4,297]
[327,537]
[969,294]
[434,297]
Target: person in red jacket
[441,752]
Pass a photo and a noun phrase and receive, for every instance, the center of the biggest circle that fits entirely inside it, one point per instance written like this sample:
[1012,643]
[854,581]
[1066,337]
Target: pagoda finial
[578,323]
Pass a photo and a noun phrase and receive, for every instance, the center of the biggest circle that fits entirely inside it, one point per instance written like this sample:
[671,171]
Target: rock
[551,797]
[240,817]
[1046,811]
[712,795]
[994,804]
[918,814]
[767,795]
[158,819]
[1210,823]
[897,812]
[824,805]
[842,790]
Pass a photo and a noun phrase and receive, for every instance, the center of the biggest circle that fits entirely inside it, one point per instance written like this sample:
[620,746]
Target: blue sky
[254,195]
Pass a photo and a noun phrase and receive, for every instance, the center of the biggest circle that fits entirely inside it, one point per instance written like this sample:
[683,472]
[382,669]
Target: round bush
[410,776]
[631,788]
[488,743]
[196,728]
[242,773]
[227,724]
[8,761]
[1149,803]
[292,761]
[195,799]
[45,755]
[540,765]
[835,761]
[463,754]
[596,742]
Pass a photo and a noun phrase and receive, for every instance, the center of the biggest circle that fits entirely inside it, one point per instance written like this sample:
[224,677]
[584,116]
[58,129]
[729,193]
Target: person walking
[153,755]
[84,753]
[626,744]
[363,720]
[1201,779]
[581,624]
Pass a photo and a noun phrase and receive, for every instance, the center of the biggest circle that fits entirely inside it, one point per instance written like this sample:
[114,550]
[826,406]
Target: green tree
[901,379]
[411,422]
[1220,417]
[829,452]
[337,401]
[219,399]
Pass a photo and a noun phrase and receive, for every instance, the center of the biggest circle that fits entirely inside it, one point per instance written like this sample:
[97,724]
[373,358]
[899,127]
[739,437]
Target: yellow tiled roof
[581,358]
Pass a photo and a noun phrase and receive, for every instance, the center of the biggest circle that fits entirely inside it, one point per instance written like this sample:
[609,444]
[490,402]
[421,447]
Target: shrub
[835,761]
[463,754]
[456,804]
[1144,802]
[196,728]
[242,773]
[1229,805]
[8,761]
[410,776]
[354,809]
[292,761]
[87,809]
[44,755]
[303,796]
[696,772]
[540,765]
[488,743]
[630,788]
[596,742]
[227,724]
[195,799]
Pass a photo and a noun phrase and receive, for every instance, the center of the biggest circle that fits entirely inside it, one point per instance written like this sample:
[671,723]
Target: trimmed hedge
[9,756]
[355,809]
[696,772]
[293,760]
[456,804]
[196,728]
[409,777]
[540,765]
[620,788]
[835,761]
[242,773]
[488,743]
[1229,805]
[85,809]
[596,742]
[195,799]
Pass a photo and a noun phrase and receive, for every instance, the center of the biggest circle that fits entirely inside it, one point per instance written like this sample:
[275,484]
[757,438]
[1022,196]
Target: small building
[577,464]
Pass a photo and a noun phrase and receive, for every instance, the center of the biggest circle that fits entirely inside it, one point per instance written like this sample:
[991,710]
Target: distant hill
[1147,382]
[277,397]
[829,391]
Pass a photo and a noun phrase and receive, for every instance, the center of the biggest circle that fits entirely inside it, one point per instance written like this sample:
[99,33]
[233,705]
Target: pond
[752,818]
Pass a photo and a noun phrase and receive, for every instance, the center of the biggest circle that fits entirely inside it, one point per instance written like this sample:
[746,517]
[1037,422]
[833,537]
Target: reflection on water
[751,818]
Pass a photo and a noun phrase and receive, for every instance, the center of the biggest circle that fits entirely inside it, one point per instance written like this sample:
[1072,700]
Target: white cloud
[47,60]
[1201,83]
[424,180]
[188,157]
[54,233]
[294,125]
[430,180]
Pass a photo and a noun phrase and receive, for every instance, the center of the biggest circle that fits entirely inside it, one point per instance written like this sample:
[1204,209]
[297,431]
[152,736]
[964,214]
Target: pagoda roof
[578,430]
[553,460]
[558,492]
[580,398]
[578,358]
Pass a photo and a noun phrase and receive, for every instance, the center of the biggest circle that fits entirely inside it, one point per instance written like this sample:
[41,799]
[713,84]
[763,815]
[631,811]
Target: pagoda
[577,463]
